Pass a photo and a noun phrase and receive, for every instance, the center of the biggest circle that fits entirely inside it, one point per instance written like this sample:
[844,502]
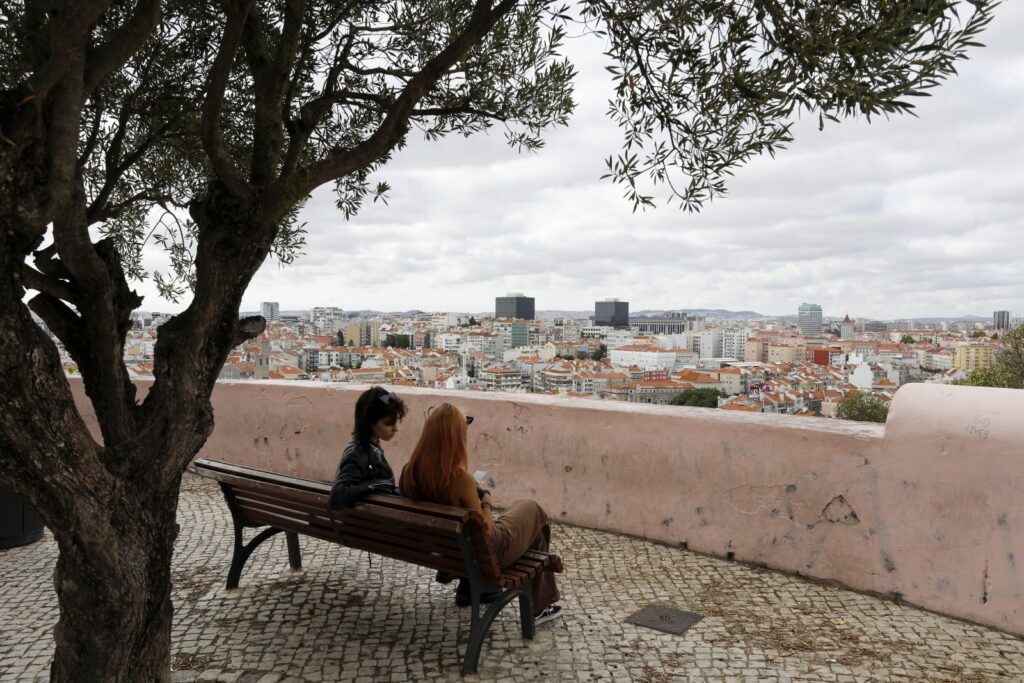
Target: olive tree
[205,125]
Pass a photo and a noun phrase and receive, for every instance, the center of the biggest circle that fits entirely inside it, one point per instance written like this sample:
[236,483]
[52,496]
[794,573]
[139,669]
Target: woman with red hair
[438,472]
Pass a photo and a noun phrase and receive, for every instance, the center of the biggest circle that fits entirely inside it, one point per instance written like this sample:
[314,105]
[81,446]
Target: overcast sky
[910,217]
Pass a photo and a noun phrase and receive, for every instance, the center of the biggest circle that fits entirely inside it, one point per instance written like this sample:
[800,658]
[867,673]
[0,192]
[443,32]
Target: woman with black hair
[363,469]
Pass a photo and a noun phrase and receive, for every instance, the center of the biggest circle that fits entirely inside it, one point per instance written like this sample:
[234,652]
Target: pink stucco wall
[929,507]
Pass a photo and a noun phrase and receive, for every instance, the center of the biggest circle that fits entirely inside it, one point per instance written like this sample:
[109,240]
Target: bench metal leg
[526,611]
[243,551]
[294,555]
[481,623]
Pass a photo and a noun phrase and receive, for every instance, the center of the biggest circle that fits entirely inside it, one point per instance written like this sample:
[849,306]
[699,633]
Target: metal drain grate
[664,619]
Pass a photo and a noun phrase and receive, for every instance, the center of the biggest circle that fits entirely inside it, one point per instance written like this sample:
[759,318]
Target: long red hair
[438,459]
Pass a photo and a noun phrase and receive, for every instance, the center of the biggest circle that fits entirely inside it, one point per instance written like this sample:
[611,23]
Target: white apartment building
[734,343]
[710,345]
[673,341]
[327,358]
[441,321]
[556,378]
[644,356]
[938,360]
[491,345]
[325,311]
[449,342]
[570,332]
[501,378]
[732,380]
[327,319]
[685,358]
[616,338]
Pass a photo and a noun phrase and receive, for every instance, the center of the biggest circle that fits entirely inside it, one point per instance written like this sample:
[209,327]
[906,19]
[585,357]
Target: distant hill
[707,312]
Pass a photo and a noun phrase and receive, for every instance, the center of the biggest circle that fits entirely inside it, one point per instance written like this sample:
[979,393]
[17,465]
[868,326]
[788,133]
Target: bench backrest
[423,533]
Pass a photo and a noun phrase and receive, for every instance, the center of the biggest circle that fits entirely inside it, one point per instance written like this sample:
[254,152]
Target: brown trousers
[524,526]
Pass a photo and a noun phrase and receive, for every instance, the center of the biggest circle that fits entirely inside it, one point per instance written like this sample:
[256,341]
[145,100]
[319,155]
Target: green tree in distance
[906,339]
[223,117]
[398,341]
[599,353]
[862,407]
[704,398]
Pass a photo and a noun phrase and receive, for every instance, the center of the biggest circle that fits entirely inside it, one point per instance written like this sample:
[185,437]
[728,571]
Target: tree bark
[115,592]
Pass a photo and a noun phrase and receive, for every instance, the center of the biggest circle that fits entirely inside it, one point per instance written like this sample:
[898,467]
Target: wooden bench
[439,537]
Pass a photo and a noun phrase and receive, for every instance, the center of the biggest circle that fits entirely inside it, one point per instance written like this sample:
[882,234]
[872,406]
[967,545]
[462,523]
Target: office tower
[515,305]
[611,313]
[809,319]
[1001,320]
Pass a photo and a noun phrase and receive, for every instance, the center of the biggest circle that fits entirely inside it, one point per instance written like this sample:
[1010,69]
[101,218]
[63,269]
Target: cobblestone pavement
[347,616]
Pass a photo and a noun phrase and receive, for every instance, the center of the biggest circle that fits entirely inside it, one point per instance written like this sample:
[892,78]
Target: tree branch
[461,109]
[62,321]
[115,168]
[341,161]
[213,105]
[94,133]
[270,67]
[104,316]
[69,42]
[33,279]
[125,42]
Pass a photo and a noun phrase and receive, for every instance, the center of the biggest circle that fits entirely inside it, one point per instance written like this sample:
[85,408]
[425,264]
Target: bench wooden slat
[399,538]
[224,471]
[417,521]
[362,542]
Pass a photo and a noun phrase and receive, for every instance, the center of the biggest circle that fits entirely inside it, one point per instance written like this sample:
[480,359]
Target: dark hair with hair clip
[375,404]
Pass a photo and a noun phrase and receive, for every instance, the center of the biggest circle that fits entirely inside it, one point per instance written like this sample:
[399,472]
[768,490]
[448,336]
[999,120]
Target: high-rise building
[1001,320]
[611,313]
[271,311]
[515,305]
[809,319]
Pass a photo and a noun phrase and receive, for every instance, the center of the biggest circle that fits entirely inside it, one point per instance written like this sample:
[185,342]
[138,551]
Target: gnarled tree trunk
[115,592]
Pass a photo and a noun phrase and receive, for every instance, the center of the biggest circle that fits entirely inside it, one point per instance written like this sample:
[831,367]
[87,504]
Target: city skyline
[1014,316]
[897,219]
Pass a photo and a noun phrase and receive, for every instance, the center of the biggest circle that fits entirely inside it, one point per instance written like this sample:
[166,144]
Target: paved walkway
[349,617]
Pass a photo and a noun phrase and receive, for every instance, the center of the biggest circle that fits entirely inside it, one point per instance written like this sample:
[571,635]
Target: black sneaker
[549,613]
[444,577]
[464,599]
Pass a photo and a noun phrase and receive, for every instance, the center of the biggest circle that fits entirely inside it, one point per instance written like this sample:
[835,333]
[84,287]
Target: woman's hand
[481,492]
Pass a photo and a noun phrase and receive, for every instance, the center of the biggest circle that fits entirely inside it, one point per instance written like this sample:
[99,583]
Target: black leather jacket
[362,469]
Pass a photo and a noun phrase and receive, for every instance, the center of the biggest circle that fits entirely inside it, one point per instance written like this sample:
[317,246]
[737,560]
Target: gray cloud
[909,216]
